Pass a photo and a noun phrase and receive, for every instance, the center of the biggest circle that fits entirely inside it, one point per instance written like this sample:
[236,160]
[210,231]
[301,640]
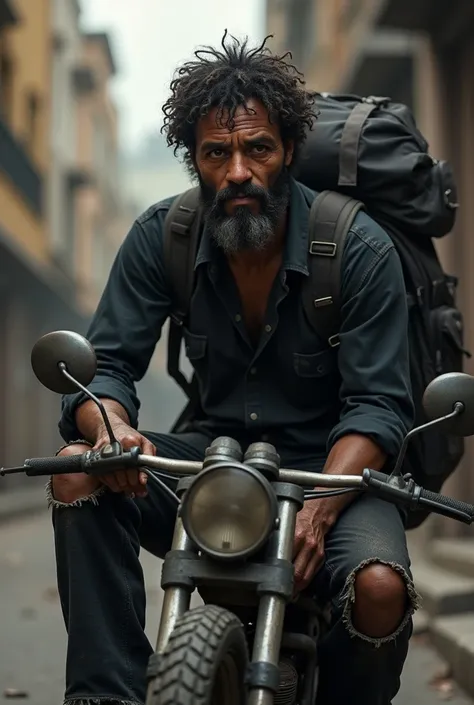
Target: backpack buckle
[334,341]
[325,301]
[177,319]
[323,249]
[380,101]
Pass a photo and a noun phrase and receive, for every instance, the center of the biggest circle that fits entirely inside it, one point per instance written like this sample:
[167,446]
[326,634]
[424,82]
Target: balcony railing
[18,167]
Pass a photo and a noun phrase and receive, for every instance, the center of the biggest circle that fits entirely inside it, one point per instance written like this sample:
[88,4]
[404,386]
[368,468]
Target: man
[241,115]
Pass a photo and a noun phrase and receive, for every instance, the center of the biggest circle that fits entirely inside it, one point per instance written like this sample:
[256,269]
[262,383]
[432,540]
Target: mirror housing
[69,348]
[440,398]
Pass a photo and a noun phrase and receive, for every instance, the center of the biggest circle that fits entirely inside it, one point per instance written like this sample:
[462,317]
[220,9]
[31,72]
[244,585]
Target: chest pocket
[194,345]
[315,378]
[317,364]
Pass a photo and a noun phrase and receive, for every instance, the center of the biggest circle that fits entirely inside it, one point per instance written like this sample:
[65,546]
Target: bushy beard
[244,230]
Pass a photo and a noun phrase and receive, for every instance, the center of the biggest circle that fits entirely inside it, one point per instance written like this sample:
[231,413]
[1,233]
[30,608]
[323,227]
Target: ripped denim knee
[348,600]
[93,497]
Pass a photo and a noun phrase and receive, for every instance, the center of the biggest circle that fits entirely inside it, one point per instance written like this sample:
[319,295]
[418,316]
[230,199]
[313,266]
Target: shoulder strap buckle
[330,219]
[323,249]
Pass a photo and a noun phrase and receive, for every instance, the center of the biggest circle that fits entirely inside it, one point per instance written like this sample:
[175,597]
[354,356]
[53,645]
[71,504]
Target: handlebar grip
[451,506]
[380,476]
[59,465]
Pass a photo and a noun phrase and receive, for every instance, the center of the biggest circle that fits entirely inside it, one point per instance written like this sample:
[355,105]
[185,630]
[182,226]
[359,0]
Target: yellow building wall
[18,222]
[28,46]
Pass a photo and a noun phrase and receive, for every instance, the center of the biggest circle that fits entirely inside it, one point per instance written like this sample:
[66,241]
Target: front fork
[271,610]
[263,677]
[176,600]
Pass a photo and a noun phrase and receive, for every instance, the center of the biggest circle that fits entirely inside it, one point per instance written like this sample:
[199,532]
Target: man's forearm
[349,456]
[89,420]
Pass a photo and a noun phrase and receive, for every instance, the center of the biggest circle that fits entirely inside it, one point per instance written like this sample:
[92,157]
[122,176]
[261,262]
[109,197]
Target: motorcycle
[233,540]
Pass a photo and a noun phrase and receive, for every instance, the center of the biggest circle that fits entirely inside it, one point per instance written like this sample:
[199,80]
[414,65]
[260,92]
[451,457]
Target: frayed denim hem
[56,504]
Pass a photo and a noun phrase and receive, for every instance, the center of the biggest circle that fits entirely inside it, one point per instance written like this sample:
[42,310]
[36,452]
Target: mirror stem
[458,409]
[63,368]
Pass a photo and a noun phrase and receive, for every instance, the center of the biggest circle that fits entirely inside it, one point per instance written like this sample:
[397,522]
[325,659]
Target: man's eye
[217,153]
[259,148]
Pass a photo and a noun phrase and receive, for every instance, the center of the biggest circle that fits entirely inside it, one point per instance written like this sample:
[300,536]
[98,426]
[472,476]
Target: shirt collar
[295,256]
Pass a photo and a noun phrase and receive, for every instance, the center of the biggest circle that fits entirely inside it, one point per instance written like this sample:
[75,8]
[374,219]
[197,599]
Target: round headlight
[229,510]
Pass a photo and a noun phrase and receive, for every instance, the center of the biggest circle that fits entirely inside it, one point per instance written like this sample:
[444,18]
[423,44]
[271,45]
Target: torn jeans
[101,586]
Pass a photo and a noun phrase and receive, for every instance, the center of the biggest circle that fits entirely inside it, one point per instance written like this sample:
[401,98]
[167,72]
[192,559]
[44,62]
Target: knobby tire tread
[188,663]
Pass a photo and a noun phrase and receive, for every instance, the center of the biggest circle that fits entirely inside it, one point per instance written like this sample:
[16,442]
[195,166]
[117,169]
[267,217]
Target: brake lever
[111,458]
[395,488]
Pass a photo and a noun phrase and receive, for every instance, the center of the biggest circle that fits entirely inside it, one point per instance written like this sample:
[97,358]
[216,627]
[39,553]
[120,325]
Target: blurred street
[33,640]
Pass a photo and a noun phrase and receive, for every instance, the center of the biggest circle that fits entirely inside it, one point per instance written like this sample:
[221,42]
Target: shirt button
[268,328]
[238,318]
[253,370]
[254,416]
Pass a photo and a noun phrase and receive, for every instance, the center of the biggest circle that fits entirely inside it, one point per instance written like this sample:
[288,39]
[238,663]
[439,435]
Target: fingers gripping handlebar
[394,489]
[91,462]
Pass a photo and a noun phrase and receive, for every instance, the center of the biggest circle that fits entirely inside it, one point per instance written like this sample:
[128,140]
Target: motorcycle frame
[271,579]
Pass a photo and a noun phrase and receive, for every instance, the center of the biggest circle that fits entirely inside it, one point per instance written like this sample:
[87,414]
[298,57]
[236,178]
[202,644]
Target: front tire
[204,662]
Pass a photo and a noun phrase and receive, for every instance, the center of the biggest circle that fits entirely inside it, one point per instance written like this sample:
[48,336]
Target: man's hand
[308,550]
[349,456]
[131,482]
[91,425]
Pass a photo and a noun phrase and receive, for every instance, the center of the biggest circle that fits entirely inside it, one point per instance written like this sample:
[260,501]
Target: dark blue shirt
[290,389]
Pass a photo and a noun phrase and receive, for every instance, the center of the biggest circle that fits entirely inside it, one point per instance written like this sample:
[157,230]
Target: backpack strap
[330,219]
[182,232]
[350,138]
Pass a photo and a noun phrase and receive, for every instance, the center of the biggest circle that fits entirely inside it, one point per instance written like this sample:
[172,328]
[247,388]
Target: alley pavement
[33,639]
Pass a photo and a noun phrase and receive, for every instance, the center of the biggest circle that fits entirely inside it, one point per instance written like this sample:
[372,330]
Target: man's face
[243,176]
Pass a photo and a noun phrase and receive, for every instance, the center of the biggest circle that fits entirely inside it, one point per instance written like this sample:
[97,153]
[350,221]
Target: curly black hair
[227,80]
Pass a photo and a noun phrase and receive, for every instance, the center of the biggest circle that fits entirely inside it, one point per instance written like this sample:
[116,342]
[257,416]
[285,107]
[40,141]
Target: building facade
[65,178]
[33,297]
[59,202]
[98,208]
[420,53]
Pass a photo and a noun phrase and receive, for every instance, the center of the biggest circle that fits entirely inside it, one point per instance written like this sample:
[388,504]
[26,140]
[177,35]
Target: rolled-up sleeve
[373,354]
[127,324]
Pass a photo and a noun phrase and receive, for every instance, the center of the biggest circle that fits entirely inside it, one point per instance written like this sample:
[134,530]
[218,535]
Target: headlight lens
[229,511]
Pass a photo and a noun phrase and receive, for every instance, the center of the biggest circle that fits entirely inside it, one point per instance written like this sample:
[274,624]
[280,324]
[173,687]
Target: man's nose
[238,171]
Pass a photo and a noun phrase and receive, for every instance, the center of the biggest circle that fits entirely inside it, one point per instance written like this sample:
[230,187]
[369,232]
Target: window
[69,224]
[6,87]
[32,114]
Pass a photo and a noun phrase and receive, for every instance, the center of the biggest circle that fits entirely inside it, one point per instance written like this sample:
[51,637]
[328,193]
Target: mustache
[241,191]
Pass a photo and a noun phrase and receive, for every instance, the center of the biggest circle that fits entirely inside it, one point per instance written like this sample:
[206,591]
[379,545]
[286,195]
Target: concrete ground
[33,640]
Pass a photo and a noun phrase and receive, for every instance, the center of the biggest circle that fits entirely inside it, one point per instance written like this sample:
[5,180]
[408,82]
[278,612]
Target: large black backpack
[369,154]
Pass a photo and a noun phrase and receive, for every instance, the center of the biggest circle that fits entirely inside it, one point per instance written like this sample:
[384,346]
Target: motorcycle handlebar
[445,505]
[395,489]
[400,491]
[60,465]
